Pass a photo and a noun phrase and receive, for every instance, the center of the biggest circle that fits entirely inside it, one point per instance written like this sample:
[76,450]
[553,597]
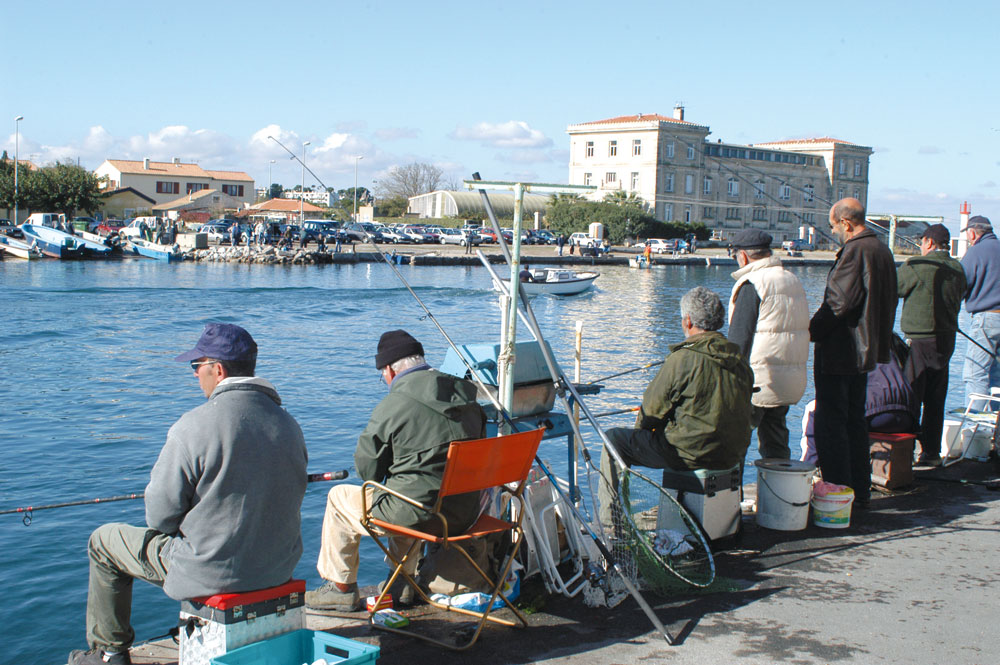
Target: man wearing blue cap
[982,300]
[222,503]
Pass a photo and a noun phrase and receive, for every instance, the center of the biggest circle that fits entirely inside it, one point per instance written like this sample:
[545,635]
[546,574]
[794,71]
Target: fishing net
[666,544]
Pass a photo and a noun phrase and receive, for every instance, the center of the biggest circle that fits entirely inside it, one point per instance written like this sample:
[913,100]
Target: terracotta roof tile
[181,169]
[229,175]
[285,205]
[641,117]
[825,139]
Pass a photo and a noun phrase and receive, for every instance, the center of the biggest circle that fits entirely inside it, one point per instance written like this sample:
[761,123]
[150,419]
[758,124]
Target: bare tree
[410,180]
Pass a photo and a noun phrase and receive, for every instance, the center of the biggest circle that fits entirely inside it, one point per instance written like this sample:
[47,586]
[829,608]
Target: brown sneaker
[329,597]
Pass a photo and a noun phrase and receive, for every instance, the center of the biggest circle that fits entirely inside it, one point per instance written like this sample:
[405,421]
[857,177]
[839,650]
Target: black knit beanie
[396,345]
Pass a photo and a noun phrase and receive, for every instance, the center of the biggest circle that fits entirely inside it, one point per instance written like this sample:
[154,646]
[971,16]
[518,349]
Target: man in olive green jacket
[404,447]
[696,412]
[932,286]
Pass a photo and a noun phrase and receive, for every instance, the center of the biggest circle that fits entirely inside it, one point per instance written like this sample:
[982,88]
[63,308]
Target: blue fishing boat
[153,250]
[54,243]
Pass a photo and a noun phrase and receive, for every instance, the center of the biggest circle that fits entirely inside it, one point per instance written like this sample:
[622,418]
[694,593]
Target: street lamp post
[270,181]
[356,160]
[302,191]
[16,161]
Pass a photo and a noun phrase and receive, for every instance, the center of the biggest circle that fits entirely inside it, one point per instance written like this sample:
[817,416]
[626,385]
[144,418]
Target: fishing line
[628,371]
[28,510]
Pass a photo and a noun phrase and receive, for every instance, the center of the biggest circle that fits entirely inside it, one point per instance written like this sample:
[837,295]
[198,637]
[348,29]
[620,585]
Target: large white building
[669,163]
[320,198]
[166,181]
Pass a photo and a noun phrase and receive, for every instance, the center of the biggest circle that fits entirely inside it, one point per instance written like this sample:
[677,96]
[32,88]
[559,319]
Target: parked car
[362,231]
[216,232]
[486,235]
[459,237]
[583,240]
[668,246]
[546,237]
[796,245]
[8,229]
[416,234]
[330,230]
[131,229]
[392,235]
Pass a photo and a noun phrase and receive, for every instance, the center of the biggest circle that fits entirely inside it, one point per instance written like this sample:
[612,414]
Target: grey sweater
[228,486]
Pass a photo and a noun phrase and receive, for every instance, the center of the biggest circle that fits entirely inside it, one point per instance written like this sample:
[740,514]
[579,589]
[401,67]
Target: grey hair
[407,363]
[704,308]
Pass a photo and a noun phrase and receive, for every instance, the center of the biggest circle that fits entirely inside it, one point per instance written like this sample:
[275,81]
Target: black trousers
[927,371]
[841,431]
[772,432]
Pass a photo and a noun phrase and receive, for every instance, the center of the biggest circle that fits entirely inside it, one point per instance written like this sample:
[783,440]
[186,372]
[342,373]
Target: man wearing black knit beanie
[404,447]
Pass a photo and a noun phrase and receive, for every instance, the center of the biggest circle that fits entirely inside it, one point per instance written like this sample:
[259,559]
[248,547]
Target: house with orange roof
[168,181]
[287,209]
[669,163]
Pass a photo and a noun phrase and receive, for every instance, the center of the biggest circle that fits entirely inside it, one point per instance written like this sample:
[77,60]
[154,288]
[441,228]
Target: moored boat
[558,281]
[153,250]
[19,249]
[54,243]
[639,262]
[112,242]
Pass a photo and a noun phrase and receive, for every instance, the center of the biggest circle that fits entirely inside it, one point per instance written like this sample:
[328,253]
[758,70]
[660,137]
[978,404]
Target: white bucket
[977,442]
[833,511]
[783,491]
[951,442]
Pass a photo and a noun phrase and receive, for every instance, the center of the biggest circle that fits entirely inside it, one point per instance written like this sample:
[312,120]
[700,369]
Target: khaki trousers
[120,553]
[342,531]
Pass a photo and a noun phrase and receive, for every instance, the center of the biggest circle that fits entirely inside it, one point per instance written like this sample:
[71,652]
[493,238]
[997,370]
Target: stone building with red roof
[671,165]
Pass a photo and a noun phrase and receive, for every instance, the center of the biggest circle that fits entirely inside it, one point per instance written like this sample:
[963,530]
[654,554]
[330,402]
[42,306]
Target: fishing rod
[28,510]
[628,371]
[991,485]
[631,409]
[502,412]
[992,353]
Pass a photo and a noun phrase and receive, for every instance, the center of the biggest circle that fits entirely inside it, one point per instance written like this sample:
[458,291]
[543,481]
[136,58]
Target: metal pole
[16,162]
[270,181]
[507,355]
[302,191]
[356,160]
[892,233]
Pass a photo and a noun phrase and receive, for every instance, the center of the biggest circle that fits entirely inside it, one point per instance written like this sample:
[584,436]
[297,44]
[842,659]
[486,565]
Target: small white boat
[639,262]
[558,281]
[154,251]
[19,249]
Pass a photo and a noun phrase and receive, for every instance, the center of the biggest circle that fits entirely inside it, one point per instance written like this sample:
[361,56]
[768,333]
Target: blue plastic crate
[301,646]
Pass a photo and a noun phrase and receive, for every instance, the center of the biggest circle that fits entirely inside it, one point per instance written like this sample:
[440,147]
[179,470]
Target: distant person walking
[561,242]
[932,286]
[982,300]
[769,321]
[851,329]
[234,235]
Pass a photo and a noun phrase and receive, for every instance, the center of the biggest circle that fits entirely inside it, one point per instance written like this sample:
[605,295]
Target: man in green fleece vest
[932,286]
[696,412]
[404,447]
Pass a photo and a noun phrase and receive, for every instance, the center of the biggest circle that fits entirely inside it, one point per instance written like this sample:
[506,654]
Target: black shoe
[99,657]
[929,461]
[329,597]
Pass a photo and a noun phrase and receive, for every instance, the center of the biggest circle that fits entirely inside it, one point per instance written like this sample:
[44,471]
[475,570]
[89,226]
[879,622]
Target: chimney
[679,112]
[177,161]
[145,164]
[638,116]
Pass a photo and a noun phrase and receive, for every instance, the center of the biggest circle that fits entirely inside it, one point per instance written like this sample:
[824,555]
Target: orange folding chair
[472,466]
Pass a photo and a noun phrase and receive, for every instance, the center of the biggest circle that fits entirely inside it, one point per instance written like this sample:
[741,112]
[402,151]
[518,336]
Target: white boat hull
[559,282]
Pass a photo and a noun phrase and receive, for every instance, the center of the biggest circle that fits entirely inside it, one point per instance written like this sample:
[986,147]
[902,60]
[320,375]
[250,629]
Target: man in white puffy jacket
[769,321]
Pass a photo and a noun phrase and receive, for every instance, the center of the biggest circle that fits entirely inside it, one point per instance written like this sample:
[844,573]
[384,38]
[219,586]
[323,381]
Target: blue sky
[472,87]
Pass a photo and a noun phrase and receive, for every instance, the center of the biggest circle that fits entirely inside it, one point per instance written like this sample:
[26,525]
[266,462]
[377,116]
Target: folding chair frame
[485,525]
[977,420]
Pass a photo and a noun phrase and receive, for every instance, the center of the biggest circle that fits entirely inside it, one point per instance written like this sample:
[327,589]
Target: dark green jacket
[700,402]
[405,445]
[932,288]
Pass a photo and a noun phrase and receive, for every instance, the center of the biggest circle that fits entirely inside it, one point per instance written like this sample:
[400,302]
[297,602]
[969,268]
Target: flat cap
[752,239]
[939,234]
[979,223]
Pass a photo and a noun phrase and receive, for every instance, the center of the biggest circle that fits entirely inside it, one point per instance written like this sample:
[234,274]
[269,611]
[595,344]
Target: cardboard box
[892,459]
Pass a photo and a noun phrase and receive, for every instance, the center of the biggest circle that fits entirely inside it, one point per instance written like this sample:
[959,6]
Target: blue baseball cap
[222,341]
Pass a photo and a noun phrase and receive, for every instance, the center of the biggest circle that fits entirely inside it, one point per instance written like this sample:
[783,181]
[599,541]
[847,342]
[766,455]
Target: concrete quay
[912,580]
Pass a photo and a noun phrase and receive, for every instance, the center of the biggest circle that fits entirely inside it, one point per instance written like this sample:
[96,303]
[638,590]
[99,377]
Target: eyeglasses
[195,364]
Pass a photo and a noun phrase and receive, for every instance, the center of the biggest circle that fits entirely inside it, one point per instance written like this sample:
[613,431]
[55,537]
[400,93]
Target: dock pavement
[912,580]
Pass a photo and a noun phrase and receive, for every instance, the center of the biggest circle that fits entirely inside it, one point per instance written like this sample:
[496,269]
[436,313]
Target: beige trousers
[342,531]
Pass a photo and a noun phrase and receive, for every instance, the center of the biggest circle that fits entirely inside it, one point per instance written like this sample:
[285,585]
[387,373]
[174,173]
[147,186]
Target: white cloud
[929,150]
[511,134]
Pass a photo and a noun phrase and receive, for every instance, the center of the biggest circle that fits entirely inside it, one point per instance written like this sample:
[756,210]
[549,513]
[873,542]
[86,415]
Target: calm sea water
[89,388]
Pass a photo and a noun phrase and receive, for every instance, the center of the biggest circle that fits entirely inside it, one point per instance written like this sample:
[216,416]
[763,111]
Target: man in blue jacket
[982,300]
[222,504]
